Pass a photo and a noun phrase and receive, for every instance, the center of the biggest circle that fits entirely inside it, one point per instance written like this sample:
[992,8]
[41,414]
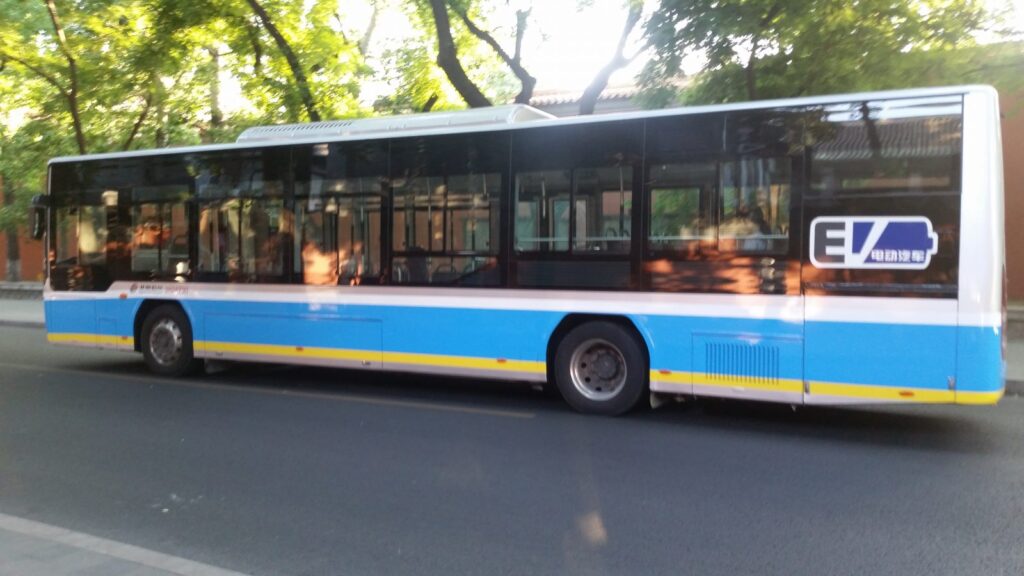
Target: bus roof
[510,117]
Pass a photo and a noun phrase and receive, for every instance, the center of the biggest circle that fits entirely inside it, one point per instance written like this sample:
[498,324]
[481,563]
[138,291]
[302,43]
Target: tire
[601,368]
[167,342]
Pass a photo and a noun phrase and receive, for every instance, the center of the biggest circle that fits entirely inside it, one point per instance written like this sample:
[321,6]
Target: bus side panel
[727,357]
[982,369]
[864,349]
[71,321]
[114,323]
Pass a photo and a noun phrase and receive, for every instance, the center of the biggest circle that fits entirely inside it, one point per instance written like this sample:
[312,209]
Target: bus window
[473,211]
[682,203]
[754,206]
[542,211]
[604,209]
[888,158]
[159,229]
[244,229]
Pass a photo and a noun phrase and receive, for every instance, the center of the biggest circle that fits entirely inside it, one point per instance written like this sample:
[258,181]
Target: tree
[779,48]
[619,60]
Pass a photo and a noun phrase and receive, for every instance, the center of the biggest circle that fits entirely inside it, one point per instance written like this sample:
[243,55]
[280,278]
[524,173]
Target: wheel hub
[165,342]
[598,369]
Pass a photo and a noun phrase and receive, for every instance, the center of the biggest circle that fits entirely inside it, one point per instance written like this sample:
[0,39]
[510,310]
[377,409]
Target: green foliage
[781,48]
[414,74]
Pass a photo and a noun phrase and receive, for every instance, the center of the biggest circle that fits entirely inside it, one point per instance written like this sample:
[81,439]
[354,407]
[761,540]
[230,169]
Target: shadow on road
[943,428]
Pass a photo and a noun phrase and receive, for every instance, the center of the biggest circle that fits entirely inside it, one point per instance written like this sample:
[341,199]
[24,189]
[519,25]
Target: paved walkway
[29,548]
[21,312]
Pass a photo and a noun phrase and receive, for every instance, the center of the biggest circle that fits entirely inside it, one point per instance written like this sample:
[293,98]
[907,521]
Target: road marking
[119,550]
[351,398]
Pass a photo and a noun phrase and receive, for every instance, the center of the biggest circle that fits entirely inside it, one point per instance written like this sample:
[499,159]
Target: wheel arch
[571,321]
[144,309]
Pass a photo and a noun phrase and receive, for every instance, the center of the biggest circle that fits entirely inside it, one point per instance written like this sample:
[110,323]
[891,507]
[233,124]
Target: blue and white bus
[827,250]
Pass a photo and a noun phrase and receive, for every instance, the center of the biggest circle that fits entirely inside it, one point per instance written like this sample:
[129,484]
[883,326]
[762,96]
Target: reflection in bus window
[755,205]
[159,232]
[542,211]
[603,209]
[339,232]
[445,229]
[682,206]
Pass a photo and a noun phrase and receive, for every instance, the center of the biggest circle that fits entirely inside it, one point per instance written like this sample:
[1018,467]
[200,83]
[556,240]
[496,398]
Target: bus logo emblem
[873,242]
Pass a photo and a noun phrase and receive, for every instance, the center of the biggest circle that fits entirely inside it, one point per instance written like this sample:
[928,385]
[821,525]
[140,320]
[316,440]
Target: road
[270,470]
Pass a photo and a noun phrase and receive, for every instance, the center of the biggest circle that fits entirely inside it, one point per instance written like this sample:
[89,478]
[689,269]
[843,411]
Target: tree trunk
[448,58]
[526,81]
[72,93]
[13,250]
[293,62]
[589,99]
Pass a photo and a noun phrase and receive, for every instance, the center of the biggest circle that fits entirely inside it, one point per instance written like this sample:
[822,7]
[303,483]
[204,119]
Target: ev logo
[873,242]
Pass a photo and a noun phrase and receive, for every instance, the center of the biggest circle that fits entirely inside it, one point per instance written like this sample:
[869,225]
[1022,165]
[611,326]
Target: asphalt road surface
[272,470]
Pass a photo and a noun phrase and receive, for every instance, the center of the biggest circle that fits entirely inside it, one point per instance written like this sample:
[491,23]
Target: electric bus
[827,250]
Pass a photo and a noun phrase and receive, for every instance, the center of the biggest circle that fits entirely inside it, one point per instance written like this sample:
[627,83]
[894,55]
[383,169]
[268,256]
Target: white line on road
[95,545]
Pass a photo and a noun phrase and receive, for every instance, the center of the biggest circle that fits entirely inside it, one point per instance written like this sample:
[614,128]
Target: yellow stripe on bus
[862,391]
[885,393]
[727,381]
[89,339]
[292,351]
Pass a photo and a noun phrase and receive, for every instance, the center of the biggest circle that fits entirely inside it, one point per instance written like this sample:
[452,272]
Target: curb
[22,324]
[1014,388]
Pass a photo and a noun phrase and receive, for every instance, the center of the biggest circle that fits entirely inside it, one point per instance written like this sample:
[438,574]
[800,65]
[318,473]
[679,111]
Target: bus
[844,249]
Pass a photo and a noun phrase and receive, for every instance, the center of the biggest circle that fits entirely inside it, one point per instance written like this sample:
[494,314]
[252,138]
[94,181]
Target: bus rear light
[299,348]
[502,360]
[906,394]
[664,371]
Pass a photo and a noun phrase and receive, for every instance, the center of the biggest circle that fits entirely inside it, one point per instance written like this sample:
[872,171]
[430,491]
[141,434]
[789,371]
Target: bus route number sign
[873,242]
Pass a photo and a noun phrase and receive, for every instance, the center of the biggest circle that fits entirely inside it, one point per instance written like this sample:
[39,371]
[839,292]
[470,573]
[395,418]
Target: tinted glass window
[245,230]
[891,158]
[159,229]
[755,205]
[446,195]
[339,198]
[738,207]
[886,148]
[542,211]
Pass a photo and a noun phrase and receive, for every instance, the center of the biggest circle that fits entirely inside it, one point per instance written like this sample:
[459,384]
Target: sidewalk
[28,313]
[29,548]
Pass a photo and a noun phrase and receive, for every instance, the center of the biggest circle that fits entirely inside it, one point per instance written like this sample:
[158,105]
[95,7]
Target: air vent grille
[741,362]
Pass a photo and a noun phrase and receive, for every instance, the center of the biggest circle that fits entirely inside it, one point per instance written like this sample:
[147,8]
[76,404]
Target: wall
[1012,108]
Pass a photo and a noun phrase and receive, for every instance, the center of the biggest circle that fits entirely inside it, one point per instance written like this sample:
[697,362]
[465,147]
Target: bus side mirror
[39,203]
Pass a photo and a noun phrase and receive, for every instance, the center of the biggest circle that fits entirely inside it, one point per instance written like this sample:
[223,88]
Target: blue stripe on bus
[898,355]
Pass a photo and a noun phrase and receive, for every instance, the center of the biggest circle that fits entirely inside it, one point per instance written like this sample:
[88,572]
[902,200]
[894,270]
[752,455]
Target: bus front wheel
[167,342]
[600,368]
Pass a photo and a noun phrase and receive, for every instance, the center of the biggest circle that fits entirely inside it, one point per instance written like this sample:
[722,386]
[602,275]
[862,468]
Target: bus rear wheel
[167,342]
[600,368]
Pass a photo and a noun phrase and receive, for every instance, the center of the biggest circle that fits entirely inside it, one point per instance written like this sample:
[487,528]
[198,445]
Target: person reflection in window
[318,268]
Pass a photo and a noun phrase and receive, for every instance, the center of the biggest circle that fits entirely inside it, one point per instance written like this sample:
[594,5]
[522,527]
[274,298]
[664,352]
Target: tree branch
[364,42]
[138,123]
[526,81]
[71,94]
[293,62]
[522,17]
[49,78]
[748,70]
[589,99]
[448,58]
